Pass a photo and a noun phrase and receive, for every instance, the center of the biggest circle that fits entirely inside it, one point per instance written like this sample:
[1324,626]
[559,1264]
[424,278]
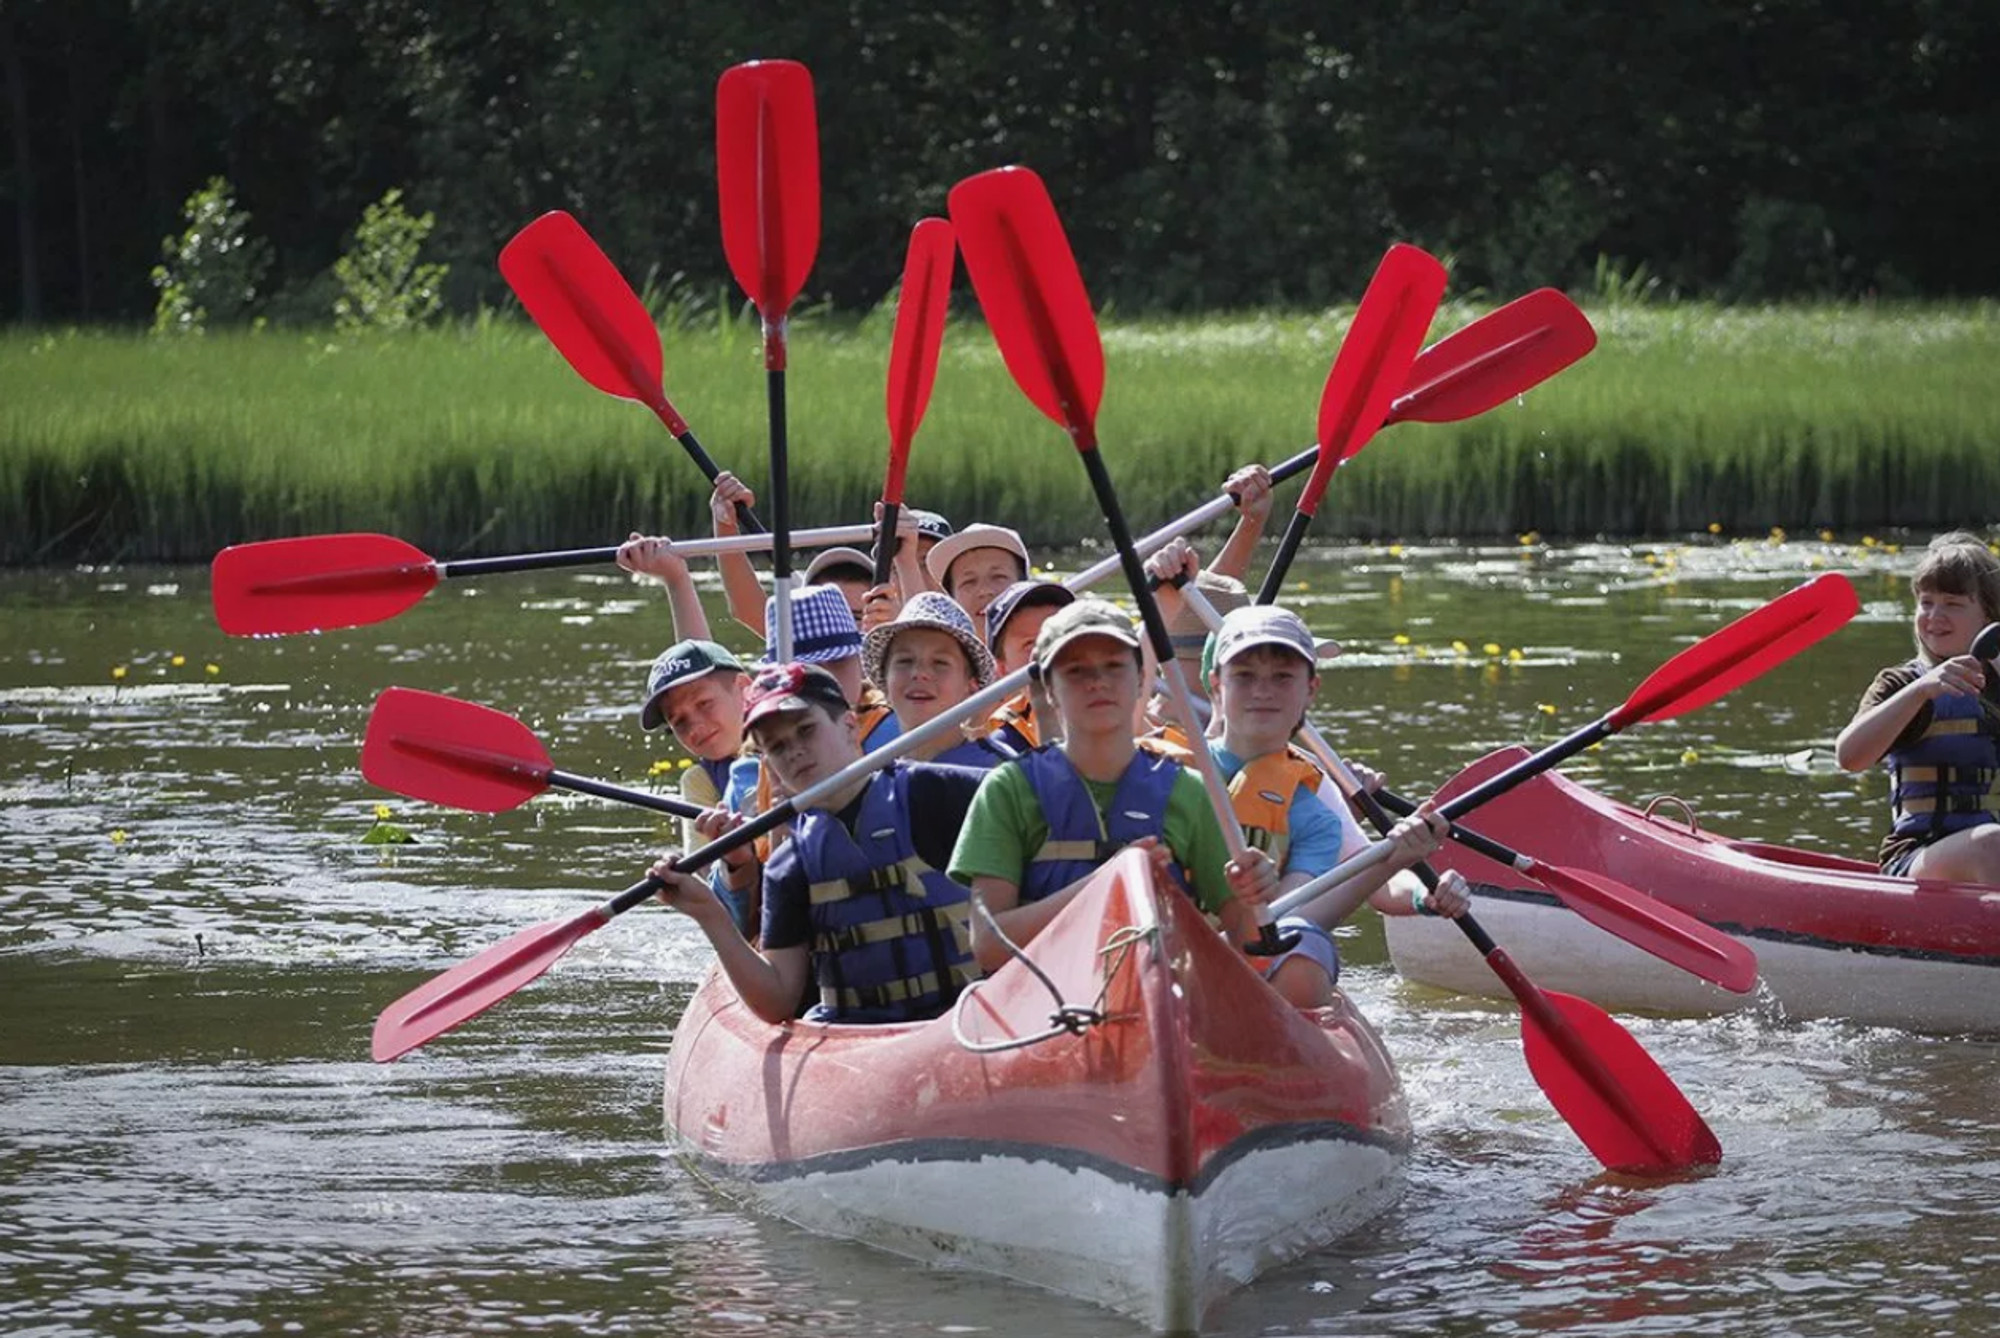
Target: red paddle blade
[583,304]
[767,168]
[308,585]
[1025,275]
[470,988]
[1755,643]
[452,752]
[1374,359]
[1621,1103]
[921,305]
[1653,926]
[1502,354]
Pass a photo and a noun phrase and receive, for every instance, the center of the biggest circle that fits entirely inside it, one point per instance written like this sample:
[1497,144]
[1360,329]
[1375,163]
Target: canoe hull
[1198,1134]
[1833,937]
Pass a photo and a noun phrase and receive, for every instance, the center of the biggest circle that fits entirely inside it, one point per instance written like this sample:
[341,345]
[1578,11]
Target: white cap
[839,557]
[1266,625]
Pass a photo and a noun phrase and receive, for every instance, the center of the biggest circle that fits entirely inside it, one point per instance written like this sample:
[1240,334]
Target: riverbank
[479,438]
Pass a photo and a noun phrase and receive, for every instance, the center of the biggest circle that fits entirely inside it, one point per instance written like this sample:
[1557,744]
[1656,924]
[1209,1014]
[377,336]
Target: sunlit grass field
[479,438]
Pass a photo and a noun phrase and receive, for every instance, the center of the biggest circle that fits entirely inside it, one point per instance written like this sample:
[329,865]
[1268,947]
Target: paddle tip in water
[470,988]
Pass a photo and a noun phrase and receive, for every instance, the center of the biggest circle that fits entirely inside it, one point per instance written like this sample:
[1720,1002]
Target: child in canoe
[848,569]
[1264,676]
[1934,721]
[857,900]
[926,662]
[1044,822]
[1013,621]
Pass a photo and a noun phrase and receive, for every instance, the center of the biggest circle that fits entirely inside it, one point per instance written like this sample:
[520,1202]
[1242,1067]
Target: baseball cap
[823,627]
[974,536]
[928,608]
[1019,595]
[682,662]
[1086,617]
[840,557]
[1266,625]
[930,525]
[777,688]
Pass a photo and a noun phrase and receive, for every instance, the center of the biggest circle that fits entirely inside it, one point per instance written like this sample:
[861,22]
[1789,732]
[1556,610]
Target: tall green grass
[480,439]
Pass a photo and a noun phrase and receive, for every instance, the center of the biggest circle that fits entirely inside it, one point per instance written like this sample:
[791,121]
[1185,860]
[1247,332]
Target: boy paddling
[1265,675]
[857,901]
[1044,822]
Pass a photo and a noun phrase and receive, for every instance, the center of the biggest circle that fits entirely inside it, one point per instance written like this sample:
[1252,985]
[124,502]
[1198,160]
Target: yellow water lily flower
[178,661]
[213,667]
[1545,708]
[1401,639]
[1777,534]
[118,836]
[662,765]
[686,762]
[117,673]
[1395,550]
[1690,756]
[1715,527]
[1461,648]
[1491,648]
[1826,536]
[1515,656]
[382,813]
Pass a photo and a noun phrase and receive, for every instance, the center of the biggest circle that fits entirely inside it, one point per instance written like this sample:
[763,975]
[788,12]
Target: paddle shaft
[885,540]
[680,808]
[746,519]
[1530,767]
[1485,845]
[1281,561]
[781,487]
[753,542]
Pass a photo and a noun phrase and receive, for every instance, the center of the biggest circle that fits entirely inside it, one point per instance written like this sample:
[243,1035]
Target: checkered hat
[823,628]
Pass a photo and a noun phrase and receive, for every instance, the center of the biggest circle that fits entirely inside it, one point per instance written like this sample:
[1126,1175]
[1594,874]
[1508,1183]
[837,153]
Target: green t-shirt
[1005,827]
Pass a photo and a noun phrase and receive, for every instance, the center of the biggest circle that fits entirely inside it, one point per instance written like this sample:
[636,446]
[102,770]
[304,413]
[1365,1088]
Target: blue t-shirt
[1315,830]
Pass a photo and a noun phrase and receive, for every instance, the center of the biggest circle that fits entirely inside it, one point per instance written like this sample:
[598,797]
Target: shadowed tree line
[1205,154]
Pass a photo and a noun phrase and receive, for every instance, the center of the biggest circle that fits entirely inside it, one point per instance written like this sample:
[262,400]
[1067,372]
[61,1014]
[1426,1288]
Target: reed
[478,438]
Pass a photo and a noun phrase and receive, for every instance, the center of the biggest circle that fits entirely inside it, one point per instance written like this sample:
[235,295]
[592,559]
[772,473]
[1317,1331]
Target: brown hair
[1960,563]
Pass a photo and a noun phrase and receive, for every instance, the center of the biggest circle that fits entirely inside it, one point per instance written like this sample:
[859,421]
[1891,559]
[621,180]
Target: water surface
[196,940]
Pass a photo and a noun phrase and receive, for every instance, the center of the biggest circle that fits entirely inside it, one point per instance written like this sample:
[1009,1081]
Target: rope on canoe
[1068,1019]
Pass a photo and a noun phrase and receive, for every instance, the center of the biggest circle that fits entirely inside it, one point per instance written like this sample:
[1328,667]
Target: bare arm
[656,557]
[1875,729]
[772,983]
[741,586]
[1251,486]
[1018,922]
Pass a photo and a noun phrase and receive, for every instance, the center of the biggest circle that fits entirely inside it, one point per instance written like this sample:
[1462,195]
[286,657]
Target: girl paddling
[1935,722]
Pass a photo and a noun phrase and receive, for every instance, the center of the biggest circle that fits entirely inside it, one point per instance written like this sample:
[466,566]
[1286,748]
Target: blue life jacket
[979,754]
[1081,838]
[1949,779]
[892,936]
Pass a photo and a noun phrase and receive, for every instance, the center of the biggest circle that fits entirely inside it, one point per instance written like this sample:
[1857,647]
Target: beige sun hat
[941,556]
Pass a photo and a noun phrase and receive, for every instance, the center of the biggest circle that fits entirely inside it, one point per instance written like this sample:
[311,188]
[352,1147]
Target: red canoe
[1196,1133]
[1833,937]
